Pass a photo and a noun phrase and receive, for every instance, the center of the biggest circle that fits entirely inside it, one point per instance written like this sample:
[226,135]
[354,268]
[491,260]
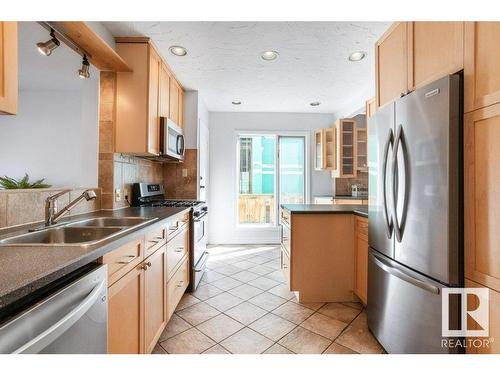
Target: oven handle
[52,333]
[203,261]
[198,219]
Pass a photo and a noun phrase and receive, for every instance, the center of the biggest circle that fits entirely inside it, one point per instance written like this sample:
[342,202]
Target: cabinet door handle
[146,265]
[132,257]
[180,284]
[179,250]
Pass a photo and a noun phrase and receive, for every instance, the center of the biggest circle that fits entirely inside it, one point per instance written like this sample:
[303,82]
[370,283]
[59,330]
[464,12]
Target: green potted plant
[24,183]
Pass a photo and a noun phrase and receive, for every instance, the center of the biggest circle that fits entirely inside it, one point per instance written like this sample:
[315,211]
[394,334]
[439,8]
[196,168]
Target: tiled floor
[244,306]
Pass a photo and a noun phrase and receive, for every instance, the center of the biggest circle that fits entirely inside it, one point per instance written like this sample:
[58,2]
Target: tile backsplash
[343,185]
[180,179]
[25,206]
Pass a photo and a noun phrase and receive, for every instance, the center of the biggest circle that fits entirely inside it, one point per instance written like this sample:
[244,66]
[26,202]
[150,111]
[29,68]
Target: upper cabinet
[391,64]
[371,107]
[412,54]
[144,95]
[176,103]
[325,149]
[346,148]
[482,53]
[8,68]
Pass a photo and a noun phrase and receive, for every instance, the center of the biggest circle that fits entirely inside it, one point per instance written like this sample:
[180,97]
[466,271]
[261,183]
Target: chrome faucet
[52,215]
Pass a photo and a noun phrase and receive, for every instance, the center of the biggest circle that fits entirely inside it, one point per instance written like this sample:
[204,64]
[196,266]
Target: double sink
[77,233]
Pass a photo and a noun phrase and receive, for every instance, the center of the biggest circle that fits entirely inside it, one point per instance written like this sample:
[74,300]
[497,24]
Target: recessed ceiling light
[314,104]
[269,55]
[178,50]
[357,56]
[236,102]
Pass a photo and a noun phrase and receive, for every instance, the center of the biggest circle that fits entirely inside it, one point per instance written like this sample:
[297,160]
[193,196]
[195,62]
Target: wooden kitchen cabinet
[126,314]
[144,95]
[319,142]
[391,64]
[181,108]
[361,258]
[370,107]
[155,297]
[482,196]
[494,322]
[349,201]
[481,76]
[8,68]
[361,146]
[177,285]
[435,49]
[325,149]
[346,148]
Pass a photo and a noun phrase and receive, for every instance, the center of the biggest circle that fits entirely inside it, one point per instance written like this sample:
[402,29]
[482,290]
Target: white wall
[222,191]
[56,130]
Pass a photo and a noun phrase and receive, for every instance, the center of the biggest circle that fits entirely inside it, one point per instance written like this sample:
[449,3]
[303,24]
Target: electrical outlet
[184,172]
[126,192]
[118,195]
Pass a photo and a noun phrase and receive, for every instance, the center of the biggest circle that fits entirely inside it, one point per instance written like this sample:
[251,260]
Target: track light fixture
[84,71]
[46,48]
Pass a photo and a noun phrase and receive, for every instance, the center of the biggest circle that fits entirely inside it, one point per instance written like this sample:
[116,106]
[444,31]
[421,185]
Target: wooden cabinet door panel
[371,107]
[177,249]
[435,49]
[176,287]
[123,259]
[285,267]
[482,196]
[391,64]
[164,95]
[181,108]
[482,53]
[155,294]
[174,101]
[126,314]
[8,68]
[153,112]
[361,259]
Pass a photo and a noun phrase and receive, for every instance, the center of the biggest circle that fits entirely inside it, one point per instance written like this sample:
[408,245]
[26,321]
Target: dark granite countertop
[25,269]
[350,197]
[356,209]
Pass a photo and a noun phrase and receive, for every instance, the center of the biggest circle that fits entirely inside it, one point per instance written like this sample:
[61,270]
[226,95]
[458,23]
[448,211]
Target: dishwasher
[72,319]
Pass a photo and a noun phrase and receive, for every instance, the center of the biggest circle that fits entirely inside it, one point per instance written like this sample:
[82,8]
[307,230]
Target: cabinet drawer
[177,225]
[176,287]
[123,259]
[285,266]
[348,201]
[177,249]
[154,240]
[285,238]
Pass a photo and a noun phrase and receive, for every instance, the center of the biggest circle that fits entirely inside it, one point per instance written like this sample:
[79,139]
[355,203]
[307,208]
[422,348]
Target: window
[269,164]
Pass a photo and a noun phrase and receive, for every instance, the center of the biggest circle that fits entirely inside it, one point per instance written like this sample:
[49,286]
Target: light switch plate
[118,195]
[184,172]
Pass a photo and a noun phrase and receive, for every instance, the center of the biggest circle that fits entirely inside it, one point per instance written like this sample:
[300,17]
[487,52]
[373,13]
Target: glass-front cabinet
[325,157]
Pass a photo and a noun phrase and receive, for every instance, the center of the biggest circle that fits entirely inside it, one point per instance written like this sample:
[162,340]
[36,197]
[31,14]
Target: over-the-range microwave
[171,139]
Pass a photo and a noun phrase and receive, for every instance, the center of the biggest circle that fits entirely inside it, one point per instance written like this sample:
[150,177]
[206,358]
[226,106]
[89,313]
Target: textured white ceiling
[224,64]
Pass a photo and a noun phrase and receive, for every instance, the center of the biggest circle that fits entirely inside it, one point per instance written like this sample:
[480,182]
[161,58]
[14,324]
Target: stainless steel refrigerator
[415,216]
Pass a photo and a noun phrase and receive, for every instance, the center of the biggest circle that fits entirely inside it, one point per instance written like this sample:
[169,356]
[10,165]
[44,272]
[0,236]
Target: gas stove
[171,203]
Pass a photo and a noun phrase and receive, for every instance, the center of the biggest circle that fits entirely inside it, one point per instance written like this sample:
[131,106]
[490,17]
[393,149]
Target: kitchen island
[323,249]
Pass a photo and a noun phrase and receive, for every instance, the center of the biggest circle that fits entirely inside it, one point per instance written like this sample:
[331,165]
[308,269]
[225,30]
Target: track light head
[46,48]
[84,72]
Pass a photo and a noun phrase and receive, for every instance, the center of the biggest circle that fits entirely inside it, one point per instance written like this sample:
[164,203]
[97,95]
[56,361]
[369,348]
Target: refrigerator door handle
[388,222]
[398,227]
[403,276]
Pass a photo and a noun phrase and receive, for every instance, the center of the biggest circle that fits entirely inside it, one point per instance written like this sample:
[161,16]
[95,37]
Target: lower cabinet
[177,286]
[285,266]
[361,258]
[126,314]
[155,290]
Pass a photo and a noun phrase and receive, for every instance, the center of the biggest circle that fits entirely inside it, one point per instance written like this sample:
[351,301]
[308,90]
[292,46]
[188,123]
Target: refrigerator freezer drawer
[404,308]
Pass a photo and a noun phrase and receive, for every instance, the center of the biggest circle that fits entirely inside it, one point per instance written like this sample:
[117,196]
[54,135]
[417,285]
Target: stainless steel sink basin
[111,222]
[63,235]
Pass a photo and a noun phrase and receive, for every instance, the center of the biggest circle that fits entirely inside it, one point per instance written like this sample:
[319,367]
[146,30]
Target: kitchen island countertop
[356,209]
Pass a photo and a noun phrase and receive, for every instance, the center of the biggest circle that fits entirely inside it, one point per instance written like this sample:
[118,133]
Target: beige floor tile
[158,350]
[245,291]
[272,326]
[211,276]
[228,270]
[276,275]
[220,327]
[263,283]
[358,338]
[339,311]
[275,264]
[324,325]
[310,305]
[191,341]
[278,349]
[216,349]
[258,259]
[246,313]
[303,341]
[338,349]
[244,264]
[206,291]
[186,301]
[293,312]
[282,291]
[246,341]
[226,283]
[198,313]
[245,276]
[354,305]
[261,270]
[224,301]
[212,265]
[175,326]
[267,301]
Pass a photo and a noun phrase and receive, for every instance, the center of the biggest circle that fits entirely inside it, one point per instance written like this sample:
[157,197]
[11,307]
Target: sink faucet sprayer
[52,215]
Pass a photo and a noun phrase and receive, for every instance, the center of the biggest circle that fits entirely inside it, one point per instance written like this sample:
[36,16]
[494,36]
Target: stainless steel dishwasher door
[72,320]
